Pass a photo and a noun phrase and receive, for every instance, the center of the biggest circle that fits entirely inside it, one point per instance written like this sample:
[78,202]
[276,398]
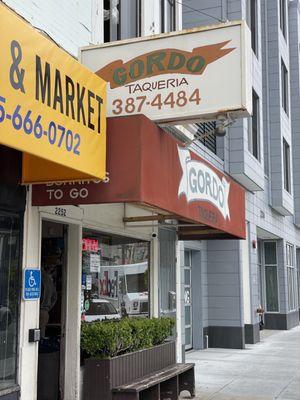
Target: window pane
[188,336]
[187,314]
[260,289]
[284,87]
[292,288]
[187,276]
[289,255]
[130,18]
[115,276]
[168,15]
[187,258]
[253,22]
[282,17]
[254,145]
[9,297]
[259,249]
[271,288]
[286,166]
[187,296]
[111,21]
[270,253]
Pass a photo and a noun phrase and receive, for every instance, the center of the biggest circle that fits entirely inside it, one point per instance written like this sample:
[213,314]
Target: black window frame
[282,17]
[252,21]
[254,128]
[286,165]
[284,88]
[18,285]
[129,21]
[172,21]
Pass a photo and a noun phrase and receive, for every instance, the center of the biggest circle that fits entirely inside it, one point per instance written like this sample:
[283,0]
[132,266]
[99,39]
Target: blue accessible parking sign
[32,284]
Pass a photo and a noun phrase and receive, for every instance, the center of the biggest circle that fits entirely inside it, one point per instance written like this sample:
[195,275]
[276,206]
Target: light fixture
[223,122]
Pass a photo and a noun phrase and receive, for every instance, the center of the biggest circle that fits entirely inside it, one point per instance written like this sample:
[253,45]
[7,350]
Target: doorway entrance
[188,299]
[52,311]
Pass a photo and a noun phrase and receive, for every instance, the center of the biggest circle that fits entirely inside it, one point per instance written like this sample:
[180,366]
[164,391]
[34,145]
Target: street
[264,371]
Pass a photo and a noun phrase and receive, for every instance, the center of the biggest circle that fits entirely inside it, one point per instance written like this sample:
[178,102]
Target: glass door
[188,299]
[260,275]
[10,262]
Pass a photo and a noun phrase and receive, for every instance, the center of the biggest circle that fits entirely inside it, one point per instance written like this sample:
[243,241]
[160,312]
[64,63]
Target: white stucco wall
[70,23]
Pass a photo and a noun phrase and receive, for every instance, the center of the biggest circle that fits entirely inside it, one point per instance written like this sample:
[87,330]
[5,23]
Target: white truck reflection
[128,285]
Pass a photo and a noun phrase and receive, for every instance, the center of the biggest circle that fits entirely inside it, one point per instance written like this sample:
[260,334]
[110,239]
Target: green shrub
[162,328]
[111,338]
[106,339]
[141,332]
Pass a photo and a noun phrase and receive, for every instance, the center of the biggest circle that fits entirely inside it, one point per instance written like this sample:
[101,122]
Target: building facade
[237,279]
[59,240]
[213,287]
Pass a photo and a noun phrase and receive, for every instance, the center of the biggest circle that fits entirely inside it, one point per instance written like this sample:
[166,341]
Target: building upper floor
[259,152]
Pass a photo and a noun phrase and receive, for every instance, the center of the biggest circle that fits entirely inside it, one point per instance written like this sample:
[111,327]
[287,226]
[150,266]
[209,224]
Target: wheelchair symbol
[31,280]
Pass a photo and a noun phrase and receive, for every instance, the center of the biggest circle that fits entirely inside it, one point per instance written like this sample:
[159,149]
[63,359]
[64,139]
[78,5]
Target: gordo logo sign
[175,76]
[166,61]
[201,183]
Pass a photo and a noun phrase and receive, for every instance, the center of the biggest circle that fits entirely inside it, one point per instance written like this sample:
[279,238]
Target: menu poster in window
[85,263]
[83,281]
[82,301]
[140,252]
[95,263]
[88,282]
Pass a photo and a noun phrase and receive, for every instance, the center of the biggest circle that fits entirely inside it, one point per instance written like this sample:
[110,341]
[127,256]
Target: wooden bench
[165,384]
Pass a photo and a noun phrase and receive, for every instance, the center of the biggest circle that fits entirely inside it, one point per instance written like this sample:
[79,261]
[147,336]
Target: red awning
[147,166]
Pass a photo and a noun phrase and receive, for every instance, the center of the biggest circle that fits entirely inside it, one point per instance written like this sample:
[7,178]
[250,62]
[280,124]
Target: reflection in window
[111,21]
[254,128]
[282,13]
[252,23]
[271,288]
[286,166]
[10,261]
[270,252]
[168,15]
[284,88]
[291,277]
[115,277]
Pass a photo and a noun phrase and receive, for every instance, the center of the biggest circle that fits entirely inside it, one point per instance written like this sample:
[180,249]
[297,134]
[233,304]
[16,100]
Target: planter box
[100,376]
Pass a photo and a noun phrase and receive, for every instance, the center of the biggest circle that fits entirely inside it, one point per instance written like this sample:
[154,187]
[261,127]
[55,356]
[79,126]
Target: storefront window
[115,277]
[10,261]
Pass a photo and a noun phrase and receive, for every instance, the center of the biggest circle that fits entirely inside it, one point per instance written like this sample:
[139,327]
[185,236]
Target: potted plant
[121,351]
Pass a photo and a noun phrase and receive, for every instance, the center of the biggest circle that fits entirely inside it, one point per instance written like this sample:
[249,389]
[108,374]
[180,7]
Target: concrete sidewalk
[264,371]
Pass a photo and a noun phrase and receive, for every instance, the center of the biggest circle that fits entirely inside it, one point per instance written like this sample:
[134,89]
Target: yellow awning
[52,108]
